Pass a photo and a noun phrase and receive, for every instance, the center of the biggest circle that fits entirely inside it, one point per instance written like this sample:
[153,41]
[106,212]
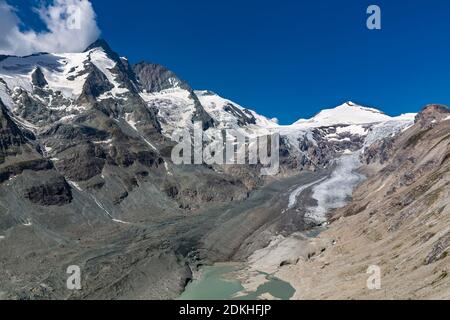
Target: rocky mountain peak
[432,113]
[38,78]
[349,104]
[155,77]
[102,44]
[99,43]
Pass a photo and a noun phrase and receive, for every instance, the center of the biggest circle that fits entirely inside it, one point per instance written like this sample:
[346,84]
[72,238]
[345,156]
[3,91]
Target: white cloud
[71,25]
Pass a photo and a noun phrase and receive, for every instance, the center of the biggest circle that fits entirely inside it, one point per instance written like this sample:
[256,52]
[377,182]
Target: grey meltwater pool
[217,283]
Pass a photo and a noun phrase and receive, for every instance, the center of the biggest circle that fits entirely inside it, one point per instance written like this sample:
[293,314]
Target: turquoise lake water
[216,283]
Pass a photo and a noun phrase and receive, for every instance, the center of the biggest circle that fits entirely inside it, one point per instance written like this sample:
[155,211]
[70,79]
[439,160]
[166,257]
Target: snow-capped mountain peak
[64,72]
[346,114]
[229,114]
[102,45]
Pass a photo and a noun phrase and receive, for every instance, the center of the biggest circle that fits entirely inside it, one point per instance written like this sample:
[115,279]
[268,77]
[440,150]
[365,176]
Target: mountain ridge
[160,72]
[88,178]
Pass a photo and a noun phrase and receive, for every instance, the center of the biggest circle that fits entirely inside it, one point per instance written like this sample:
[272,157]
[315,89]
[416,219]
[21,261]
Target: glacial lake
[217,283]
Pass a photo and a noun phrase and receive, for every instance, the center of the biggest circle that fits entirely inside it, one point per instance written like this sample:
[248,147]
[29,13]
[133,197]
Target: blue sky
[288,59]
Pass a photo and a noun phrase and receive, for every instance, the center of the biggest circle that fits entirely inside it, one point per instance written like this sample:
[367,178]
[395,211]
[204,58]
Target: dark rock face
[82,162]
[96,84]
[19,167]
[149,158]
[121,156]
[125,76]
[171,191]
[11,137]
[201,115]
[154,77]
[32,109]
[317,150]
[123,71]
[76,133]
[54,191]
[244,117]
[144,115]
[38,79]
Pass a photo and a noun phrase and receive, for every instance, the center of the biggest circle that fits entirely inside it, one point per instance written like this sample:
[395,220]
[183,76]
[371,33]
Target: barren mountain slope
[399,220]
